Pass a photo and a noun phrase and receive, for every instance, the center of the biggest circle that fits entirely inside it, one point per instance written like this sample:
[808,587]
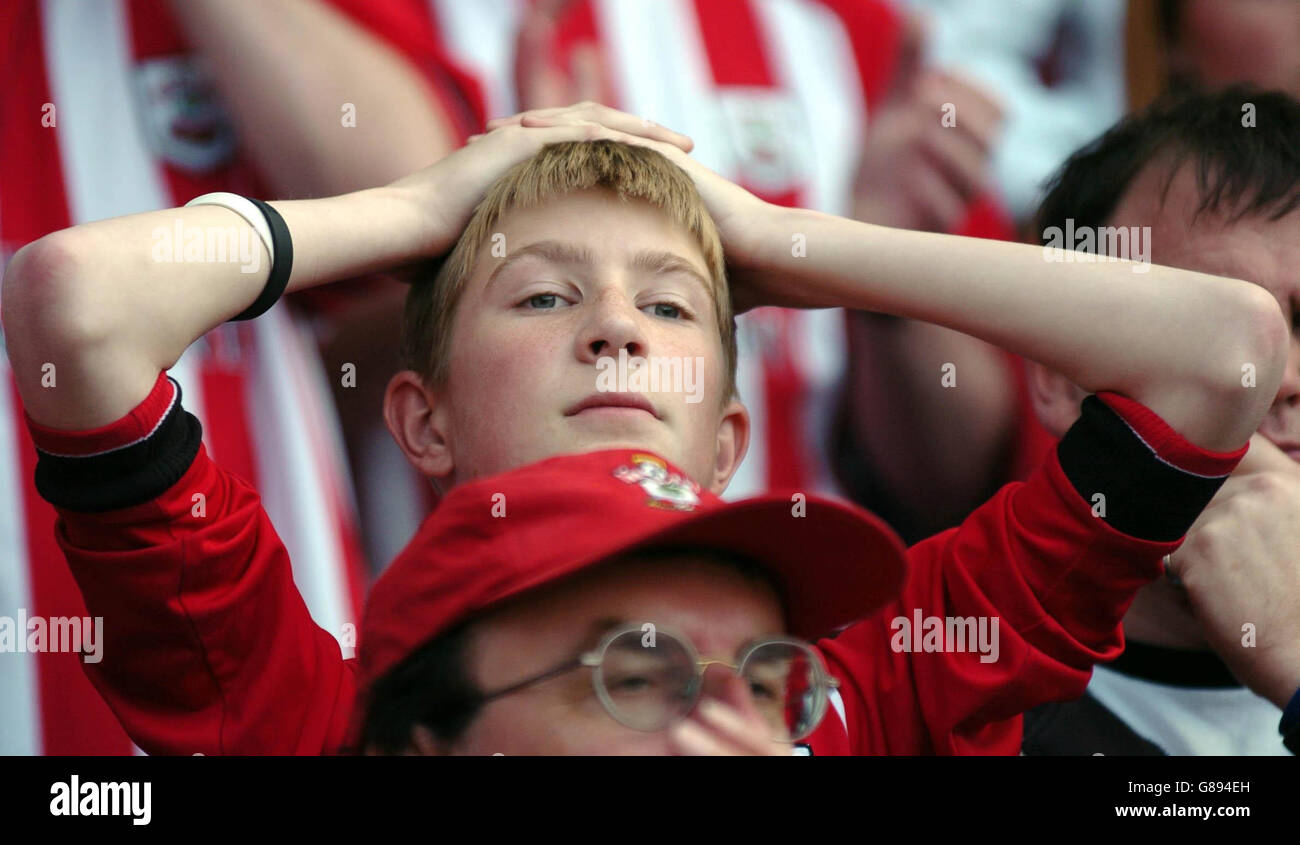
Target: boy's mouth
[617,402]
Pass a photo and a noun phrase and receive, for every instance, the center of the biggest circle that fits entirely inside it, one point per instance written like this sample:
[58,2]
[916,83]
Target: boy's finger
[580,130]
[634,125]
[625,123]
[597,113]
[939,201]
[588,131]
[975,114]
[963,164]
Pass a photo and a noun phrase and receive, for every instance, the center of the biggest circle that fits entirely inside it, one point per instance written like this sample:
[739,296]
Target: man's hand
[926,154]
[719,730]
[1241,567]
[538,80]
[449,190]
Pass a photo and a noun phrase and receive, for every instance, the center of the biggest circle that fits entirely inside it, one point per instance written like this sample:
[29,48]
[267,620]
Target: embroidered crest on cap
[666,489]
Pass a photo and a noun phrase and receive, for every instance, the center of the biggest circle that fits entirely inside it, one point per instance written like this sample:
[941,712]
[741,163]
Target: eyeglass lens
[651,681]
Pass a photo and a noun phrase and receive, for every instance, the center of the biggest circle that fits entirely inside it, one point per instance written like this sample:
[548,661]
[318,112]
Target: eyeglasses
[647,678]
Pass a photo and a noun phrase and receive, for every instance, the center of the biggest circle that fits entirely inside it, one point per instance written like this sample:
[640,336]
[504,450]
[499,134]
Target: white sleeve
[998,43]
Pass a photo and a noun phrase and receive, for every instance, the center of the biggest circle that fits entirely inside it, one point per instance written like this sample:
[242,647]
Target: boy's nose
[613,326]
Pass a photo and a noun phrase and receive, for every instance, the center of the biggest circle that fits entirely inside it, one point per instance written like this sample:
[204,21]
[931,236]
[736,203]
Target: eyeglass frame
[823,681]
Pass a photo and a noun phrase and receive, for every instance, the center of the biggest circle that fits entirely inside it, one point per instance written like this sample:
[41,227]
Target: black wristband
[281,267]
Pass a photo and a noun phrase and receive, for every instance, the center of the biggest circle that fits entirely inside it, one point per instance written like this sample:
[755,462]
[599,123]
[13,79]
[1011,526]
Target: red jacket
[208,647]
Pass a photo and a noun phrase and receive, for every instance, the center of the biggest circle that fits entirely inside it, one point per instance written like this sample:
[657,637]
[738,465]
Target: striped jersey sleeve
[207,647]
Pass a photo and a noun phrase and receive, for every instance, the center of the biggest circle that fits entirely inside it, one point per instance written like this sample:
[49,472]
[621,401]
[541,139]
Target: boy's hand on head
[1240,566]
[586,113]
[448,191]
[750,228]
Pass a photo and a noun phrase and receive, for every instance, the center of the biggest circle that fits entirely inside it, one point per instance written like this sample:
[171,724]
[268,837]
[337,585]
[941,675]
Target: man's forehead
[1217,241]
[713,605]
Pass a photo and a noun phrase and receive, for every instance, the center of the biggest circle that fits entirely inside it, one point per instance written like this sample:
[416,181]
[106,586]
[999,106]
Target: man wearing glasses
[605,604]
[612,606]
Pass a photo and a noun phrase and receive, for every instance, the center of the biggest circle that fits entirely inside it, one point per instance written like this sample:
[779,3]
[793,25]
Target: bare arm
[94,301]
[1174,340]
[286,68]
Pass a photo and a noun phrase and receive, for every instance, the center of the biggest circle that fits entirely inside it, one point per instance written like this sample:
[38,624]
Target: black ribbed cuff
[1145,496]
[123,477]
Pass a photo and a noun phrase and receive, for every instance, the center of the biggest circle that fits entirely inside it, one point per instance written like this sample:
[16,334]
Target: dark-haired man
[1207,182]
[1214,181]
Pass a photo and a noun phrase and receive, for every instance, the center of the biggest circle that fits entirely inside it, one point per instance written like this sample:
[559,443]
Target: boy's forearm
[1175,340]
[108,304]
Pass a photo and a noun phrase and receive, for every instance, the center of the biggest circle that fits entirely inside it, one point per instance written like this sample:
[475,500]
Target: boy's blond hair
[631,172]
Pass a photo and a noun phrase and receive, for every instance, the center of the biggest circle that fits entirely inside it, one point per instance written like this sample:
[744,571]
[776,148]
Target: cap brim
[834,565]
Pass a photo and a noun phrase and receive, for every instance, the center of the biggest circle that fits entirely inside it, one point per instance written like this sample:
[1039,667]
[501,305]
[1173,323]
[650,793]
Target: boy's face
[557,289]
[716,607]
[1253,249]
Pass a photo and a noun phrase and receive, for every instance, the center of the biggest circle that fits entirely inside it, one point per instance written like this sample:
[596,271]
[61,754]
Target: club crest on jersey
[768,138]
[666,489]
[182,119]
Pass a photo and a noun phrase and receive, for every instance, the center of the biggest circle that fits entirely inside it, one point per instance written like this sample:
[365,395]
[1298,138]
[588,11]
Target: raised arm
[1179,342]
[97,303]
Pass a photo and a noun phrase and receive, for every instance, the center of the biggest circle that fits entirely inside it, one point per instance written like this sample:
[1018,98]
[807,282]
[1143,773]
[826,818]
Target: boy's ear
[1056,399]
[733,442]
[418,423]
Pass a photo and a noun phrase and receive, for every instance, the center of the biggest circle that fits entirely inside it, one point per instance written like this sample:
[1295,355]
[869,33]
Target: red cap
[495,538]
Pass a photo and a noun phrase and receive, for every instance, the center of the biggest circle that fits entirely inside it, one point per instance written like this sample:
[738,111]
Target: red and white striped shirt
[106,112]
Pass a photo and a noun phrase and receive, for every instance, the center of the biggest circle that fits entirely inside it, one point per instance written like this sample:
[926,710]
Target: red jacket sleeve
[207,645]
[1027,593]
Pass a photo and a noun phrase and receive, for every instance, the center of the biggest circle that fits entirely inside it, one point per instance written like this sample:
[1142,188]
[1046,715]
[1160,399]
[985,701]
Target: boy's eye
[543,301]
[667,309]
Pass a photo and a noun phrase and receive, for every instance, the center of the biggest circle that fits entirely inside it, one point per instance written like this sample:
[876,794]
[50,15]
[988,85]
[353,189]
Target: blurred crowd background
[941,115]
